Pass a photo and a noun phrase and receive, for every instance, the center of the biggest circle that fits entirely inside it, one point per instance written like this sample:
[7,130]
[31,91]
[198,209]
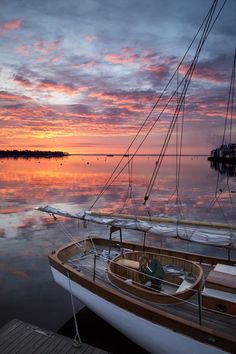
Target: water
[27,235]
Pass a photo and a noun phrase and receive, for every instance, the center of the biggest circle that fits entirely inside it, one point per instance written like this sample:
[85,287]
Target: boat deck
[188,309]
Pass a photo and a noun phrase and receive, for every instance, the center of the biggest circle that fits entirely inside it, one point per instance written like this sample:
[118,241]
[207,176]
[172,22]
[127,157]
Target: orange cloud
[10,26]
[121,98]
[12,97]
[60,88]
[120,59]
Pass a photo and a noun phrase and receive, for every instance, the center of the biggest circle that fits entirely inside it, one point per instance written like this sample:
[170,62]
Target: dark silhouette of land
[28,154]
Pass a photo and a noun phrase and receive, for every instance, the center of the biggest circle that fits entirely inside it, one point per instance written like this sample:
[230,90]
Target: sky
[82,76]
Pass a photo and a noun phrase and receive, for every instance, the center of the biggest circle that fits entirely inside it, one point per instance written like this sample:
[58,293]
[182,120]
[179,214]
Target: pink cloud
[22,81]
[128,56]
[55,59]
[90,38]
[23,49]
[10,26]
[121,58]
[12,97]
[204,72]
[45,47]
[88,64]
[158,70]
[60,88]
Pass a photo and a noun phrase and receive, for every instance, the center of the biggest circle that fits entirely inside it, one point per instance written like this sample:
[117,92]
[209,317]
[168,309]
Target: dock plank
[18,337]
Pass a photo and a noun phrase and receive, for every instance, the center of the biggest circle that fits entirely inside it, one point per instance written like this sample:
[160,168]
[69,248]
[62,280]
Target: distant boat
[164,300]
[225,153]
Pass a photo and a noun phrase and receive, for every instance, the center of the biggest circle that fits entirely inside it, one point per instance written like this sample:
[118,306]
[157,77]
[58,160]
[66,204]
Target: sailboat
[226,153]
[166,301]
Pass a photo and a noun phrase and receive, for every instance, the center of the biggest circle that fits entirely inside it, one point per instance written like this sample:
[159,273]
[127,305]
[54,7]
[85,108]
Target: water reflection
[27,236]
[224,168]
[75,182]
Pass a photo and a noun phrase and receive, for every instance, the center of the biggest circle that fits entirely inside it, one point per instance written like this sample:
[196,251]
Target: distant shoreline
[131,155]
[28,154]
[49,154]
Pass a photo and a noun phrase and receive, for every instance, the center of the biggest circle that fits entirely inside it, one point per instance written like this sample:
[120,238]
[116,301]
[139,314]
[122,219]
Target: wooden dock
[23,338]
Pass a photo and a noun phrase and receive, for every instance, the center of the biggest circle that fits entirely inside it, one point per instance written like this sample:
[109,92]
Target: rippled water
[27,235]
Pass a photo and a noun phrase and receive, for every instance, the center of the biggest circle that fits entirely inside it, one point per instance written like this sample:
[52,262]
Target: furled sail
[201,232]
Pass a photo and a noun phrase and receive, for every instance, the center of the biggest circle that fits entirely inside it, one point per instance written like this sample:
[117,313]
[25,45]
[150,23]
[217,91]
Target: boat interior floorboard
[189,309]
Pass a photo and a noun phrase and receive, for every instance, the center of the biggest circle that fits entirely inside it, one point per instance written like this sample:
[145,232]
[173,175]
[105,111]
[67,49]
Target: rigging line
[183,93]
[181,140]
[223,213]
[150,113]
[231,91]
[230,101]
[212,203]
[79,342]
[179,162]
[111,179]
[66,232]
[177,135]
[211,13]
[137,149]
[232,95]
[231,199]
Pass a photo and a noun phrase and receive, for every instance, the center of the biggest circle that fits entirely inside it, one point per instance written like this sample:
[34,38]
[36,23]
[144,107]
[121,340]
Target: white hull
[153,338]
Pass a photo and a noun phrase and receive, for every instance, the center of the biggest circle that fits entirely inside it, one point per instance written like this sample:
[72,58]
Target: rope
[187,81]
[77,340]
[113,177]
[230,103]
[66,233]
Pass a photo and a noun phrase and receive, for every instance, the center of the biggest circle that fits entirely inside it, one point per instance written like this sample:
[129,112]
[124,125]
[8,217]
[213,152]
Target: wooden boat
[166,301]
[194,312]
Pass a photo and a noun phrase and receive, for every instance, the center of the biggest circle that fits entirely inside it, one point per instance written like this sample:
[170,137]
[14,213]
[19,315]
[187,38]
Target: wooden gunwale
[115,272]
[66,251]
[199,332]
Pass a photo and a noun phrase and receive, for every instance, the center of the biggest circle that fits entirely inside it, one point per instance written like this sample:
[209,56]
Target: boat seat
[128,263]
[222,278]
[183,286]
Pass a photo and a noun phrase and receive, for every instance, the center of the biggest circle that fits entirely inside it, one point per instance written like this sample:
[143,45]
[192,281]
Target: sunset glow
[82,76]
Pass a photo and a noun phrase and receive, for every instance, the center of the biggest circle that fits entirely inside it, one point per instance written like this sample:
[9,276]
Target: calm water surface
[27,235]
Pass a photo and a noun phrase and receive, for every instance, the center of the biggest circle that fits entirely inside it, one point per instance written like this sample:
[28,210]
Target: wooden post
[94,266]
[228,253]
[114,229]
[121,244]
[144,240]
[200,306]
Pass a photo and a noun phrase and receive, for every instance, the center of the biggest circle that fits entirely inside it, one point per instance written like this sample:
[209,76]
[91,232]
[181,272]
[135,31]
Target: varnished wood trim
[200,333]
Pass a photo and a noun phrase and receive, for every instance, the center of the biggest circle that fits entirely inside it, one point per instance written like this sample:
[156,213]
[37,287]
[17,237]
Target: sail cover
[212,235]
